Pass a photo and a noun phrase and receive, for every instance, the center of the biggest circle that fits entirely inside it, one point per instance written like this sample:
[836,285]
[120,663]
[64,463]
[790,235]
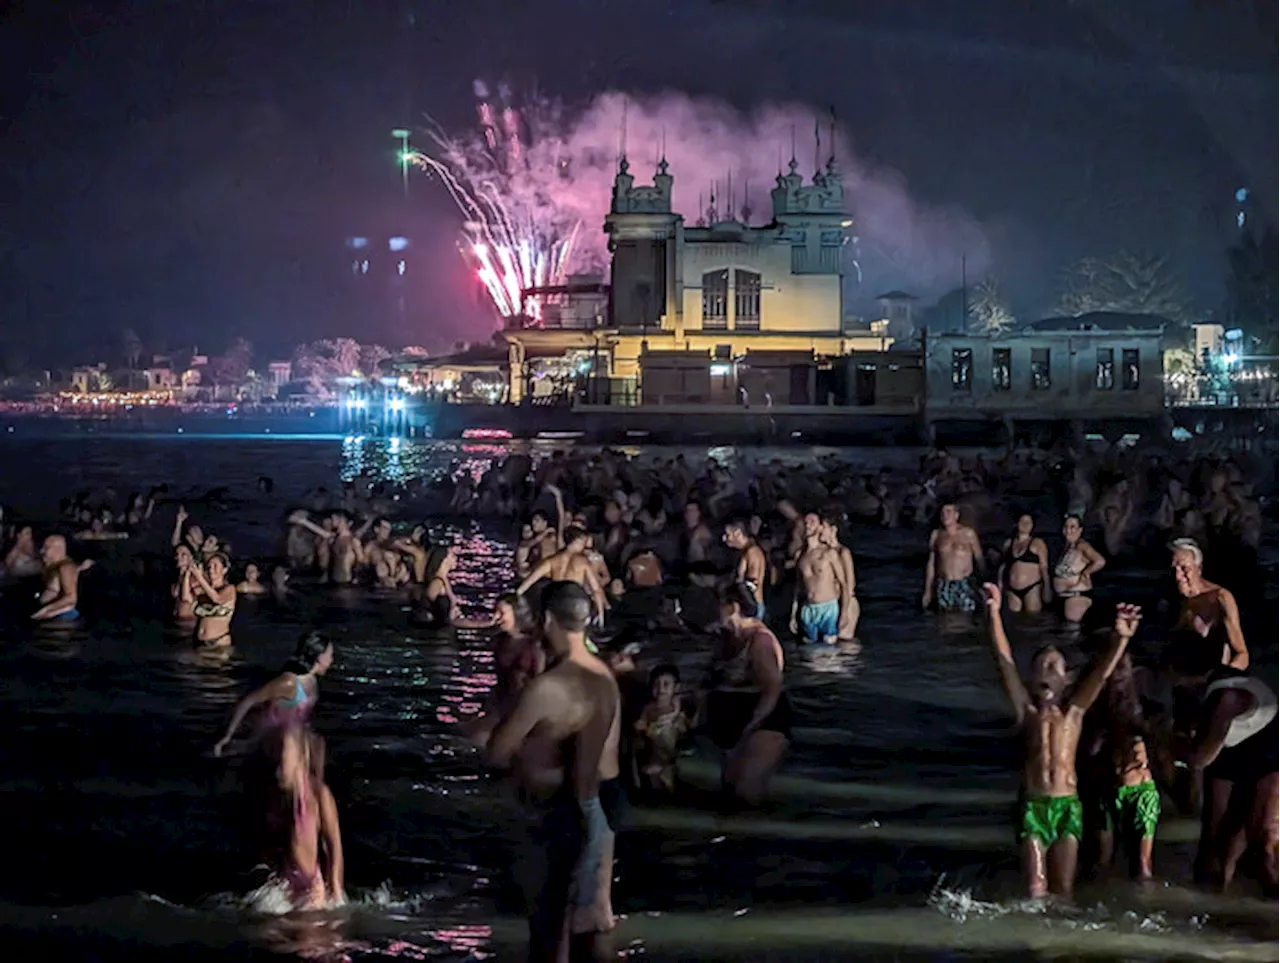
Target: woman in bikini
[213,601]
[291,695]
[435,606]
[1024,568]
[518,657]
[1073,574]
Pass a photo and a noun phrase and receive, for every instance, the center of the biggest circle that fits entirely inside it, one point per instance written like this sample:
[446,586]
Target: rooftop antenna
[729,208]
[817,147]
[831,163]
[702,221]
[793,148]
[746,202]
[622,158]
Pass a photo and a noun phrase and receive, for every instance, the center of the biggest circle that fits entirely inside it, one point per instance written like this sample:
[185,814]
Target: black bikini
[1030,558]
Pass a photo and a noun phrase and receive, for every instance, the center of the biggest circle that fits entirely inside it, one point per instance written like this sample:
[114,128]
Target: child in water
[309,873]
[252,584]
[1051,819]
[1130,806]
[659,730]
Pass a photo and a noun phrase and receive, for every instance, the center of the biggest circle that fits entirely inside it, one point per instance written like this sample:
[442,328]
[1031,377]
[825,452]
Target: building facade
[1047,372]
[715,291]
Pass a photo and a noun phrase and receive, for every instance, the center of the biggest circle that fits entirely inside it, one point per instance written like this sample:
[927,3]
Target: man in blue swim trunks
[815,612]
[61,583]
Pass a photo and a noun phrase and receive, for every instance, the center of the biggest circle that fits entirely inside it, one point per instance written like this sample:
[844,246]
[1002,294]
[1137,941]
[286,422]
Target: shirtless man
[695,543]
[1051,820]
[819,582]
[753,567]
[1209,610]
[61,583]
[562,738]
[850,609]
[570,564]
[955,554]
[346,550]
[386,552]
[543,541]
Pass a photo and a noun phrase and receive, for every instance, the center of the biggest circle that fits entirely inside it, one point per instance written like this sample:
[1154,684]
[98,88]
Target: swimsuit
[820,621]
[70,615]
[1027,557]
[731,707]
[956,595]
[1134,810]
[1049,819]
[1063,570]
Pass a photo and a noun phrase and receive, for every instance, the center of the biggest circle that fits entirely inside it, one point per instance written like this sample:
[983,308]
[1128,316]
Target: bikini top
[213,610]
[1253,721]
[1064,567]
[1026,555]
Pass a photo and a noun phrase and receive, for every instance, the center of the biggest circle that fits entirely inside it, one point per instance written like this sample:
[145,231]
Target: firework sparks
[515,237]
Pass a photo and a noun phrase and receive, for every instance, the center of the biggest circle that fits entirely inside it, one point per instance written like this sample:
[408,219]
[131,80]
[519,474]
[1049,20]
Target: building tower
[642,238]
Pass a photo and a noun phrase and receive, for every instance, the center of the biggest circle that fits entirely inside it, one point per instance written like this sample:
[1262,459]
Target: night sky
[190,169]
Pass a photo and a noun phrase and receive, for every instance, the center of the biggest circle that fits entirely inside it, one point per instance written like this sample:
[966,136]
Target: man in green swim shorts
[1051,820]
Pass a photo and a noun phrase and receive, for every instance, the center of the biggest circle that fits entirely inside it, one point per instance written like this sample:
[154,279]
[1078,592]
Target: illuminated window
[364,267]
[715,299]
[1040,377]
[1001,369]
[400,267]
[961,369]
[1105,377]
[746,300]
[1131,370]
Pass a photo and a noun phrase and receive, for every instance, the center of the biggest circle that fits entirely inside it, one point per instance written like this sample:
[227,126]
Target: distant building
[898,309]
[86,378]
[279,374]
[1100,366]
[717,290]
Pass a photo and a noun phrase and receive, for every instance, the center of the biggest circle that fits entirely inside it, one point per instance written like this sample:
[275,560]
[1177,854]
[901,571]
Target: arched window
[746,300]
[715,299]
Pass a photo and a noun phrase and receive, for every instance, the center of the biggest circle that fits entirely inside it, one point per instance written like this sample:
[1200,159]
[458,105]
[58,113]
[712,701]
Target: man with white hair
[1209,610]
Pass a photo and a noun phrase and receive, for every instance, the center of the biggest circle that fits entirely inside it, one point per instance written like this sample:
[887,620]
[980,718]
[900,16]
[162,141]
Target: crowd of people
[614,550]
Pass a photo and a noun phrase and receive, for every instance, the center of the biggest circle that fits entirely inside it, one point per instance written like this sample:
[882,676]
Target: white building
[1086,368]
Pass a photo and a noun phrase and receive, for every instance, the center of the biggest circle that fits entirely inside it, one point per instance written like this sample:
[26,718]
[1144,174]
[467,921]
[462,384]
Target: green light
[400,132]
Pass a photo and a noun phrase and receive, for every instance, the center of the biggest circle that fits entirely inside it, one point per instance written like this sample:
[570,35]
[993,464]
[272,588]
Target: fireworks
[515,235]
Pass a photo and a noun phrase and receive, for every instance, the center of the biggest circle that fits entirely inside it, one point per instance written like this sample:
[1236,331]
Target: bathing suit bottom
[1050,819]
[1133,810]
[555,841]
[820,621]
[70,615]
[729,713]
[957,595]
[1022,593]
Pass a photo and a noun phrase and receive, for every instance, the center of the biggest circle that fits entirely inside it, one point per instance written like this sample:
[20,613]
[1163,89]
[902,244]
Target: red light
[486,433]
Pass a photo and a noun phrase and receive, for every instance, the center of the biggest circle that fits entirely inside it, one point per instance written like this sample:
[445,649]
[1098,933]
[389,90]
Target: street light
[403,134]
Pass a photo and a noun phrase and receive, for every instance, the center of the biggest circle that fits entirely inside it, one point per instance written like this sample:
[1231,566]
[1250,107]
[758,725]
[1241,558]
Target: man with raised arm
[1051,819]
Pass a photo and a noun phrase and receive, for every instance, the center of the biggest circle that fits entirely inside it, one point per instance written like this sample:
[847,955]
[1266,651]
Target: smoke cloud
[555,169]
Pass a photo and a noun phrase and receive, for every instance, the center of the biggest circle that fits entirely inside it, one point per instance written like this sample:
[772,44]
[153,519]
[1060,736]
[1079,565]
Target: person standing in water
[850,607]
[1208,610]
[61,595]
[1051,822]
[752,569]
[562,737]
[1073,574]
[747,712]
[1024,568]
[955,555]
[1237,747]
[213,600]
[819,575]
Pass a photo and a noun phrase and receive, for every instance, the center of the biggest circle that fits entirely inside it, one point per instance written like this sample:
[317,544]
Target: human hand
[219,746]
[1127,619]
[182,514]
[794,625]
[992,596]
[926,599]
